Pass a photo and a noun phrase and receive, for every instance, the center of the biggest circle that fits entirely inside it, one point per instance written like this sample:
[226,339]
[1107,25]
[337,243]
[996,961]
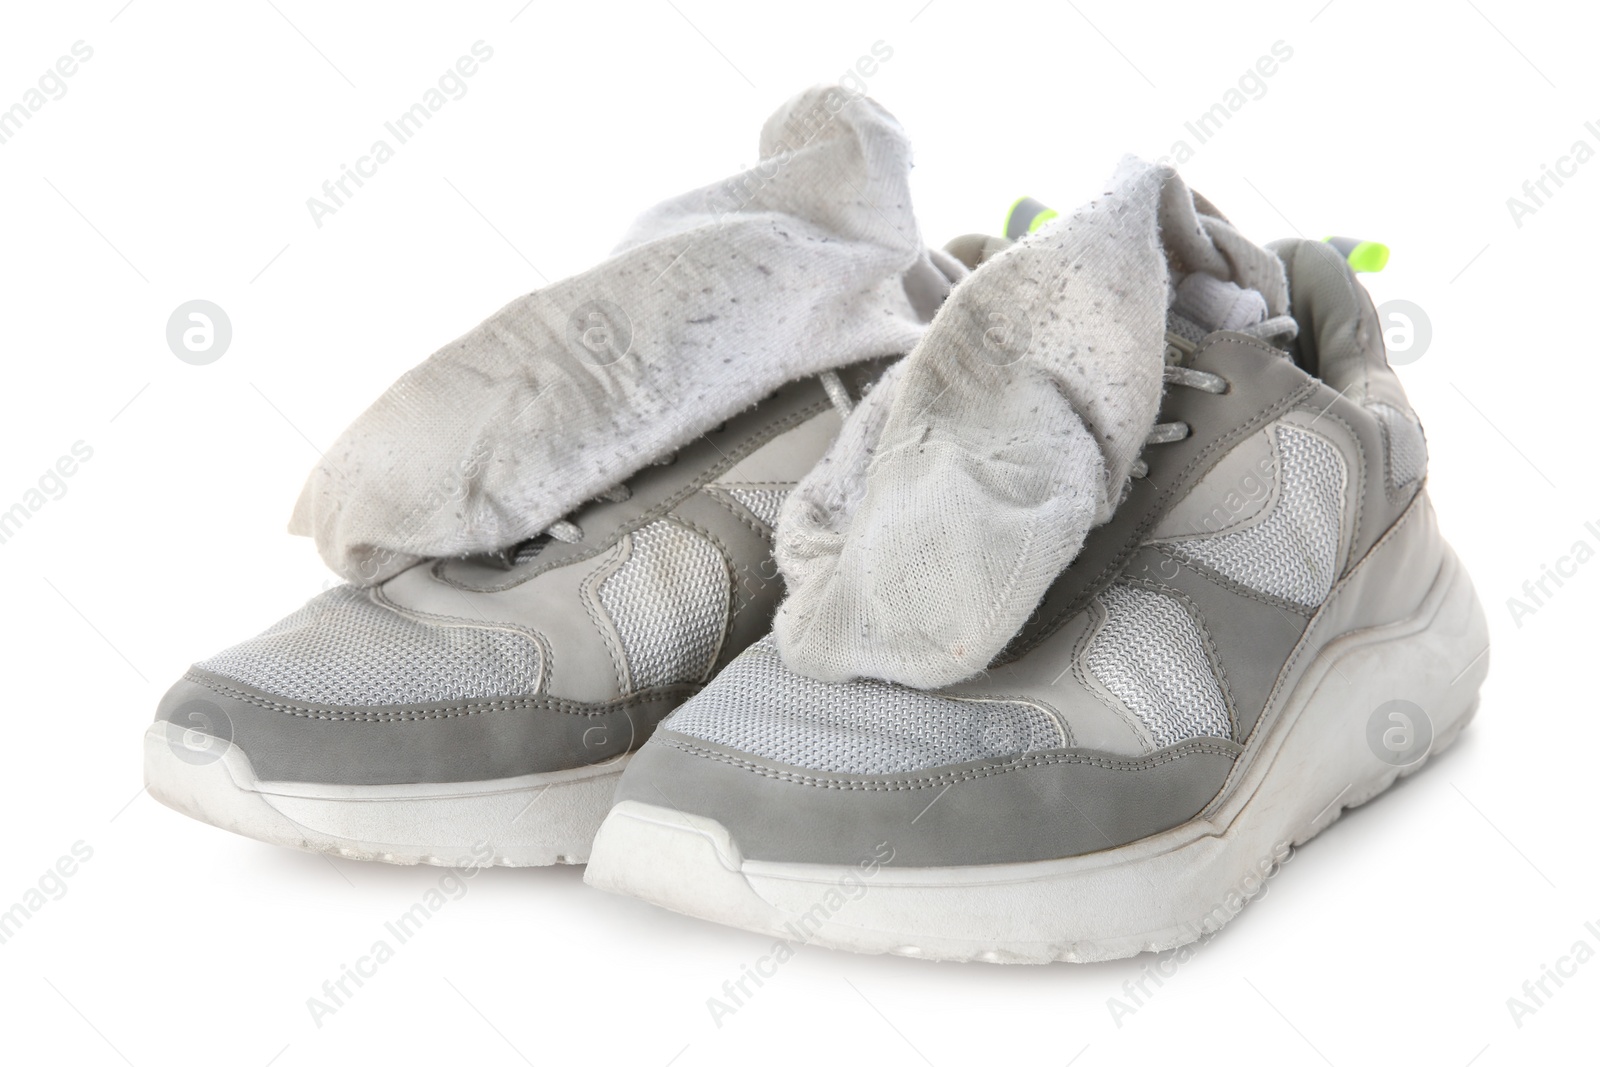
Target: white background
[177,166]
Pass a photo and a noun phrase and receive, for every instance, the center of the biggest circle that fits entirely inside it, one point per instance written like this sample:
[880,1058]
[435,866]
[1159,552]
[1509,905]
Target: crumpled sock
[808,261]
[969,477]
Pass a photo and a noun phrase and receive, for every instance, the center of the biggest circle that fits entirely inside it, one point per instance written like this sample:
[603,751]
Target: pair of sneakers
[1268,629]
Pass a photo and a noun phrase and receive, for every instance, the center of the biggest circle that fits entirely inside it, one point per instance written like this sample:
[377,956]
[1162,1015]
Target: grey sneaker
[1269,630]
[481,710]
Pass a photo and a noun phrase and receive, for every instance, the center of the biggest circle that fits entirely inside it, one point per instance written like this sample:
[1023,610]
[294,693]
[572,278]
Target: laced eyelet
[1193,378]
[1164,433]
[565,530]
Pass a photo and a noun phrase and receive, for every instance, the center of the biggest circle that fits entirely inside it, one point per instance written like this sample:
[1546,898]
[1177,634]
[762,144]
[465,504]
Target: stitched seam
[1232,586]
[593,606]
[738,600]
[476,707]
[1050,711]
[1388,459]
[741,513]
[1024,763]
[1396,492]
[443,622]
[1245,522]
[1362,302]
[1238,339]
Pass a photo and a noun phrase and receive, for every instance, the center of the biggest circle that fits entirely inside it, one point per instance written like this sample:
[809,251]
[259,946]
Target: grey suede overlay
[1044,805]
[468,741]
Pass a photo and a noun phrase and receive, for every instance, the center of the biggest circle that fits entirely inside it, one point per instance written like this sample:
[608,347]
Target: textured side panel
[757,705]
[343,649]
[1293,551]
[1151,656]
[669,602]
[763,502]
[1405,450]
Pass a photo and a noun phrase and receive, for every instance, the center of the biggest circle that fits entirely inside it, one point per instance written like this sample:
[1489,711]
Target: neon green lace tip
[1025,217]
[1011,212]
[1364,257]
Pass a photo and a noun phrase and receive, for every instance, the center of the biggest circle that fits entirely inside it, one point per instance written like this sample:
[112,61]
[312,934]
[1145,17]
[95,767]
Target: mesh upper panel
[345,650]
[1150,655]
[670,604]
[529,550]
[1293,551]
[762,502]
[1405,449]
[757,705]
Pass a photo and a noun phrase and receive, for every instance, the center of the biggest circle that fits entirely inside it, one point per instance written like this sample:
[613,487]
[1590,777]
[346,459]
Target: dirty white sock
[809,260]
[968,479]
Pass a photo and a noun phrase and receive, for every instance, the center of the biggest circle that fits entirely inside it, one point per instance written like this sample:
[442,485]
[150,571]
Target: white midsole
[528,820]
[1162,891]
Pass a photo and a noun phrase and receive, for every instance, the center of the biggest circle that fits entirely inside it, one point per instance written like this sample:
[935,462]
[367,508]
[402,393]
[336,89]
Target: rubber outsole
[532,821]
